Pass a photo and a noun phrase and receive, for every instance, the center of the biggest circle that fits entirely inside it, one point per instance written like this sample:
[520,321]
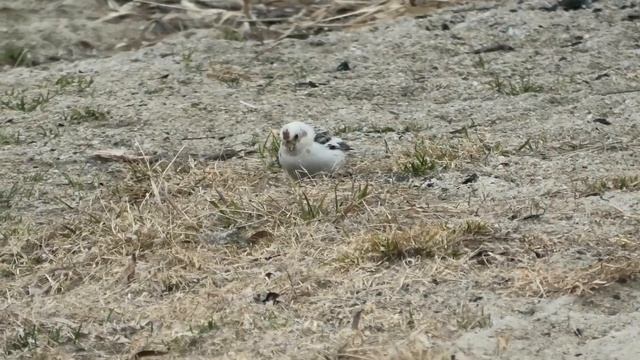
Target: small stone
[343,66]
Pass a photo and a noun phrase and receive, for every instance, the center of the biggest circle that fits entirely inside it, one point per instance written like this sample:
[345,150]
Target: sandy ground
[549,128]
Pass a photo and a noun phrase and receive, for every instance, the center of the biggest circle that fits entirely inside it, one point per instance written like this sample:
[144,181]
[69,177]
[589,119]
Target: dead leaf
[259,235]
[118,155]
[355,323]
[502,344]
[129,273]
[143,353]
[222,155]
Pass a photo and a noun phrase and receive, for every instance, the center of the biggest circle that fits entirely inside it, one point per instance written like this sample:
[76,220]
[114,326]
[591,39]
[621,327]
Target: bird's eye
[295,137]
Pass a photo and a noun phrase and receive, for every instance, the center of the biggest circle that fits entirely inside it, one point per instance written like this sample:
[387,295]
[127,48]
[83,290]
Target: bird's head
[296,135]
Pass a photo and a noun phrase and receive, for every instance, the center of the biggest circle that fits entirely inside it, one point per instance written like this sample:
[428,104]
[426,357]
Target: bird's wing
[322,137]
[331,142]
[338,144]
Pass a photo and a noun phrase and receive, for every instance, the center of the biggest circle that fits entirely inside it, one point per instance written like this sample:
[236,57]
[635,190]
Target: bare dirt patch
[491,210]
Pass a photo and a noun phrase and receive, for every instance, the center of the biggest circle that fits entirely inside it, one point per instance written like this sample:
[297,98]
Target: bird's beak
[291,145]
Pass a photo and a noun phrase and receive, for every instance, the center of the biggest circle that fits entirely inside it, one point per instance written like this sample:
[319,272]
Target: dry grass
[159,231]
[590,187]
[78,115]
[15,55]
[230,76]
[199,251]
[152,255]
[543,281]
[239,21]
[8,138]
[438,240]
[19,101]
[429,157]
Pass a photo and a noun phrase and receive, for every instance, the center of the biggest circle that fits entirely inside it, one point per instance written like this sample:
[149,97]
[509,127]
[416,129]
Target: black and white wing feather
[332,143]
[322,137]
[338,144]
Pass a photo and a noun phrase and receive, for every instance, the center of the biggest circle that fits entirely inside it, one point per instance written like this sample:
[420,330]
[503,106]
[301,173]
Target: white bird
[303,152]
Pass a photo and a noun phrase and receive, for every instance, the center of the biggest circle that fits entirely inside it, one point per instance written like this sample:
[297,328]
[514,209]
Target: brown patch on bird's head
[285,134]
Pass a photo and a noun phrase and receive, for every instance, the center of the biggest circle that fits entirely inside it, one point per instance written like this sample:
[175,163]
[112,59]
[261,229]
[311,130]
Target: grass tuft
[9,195]
[26,338]
[230,212]
[600,186]
[231,76]
[33,336]
[543,280]
[522,85]
[50,131]
[474,227]
[85,114]
[429,240]
[337,205]
[377,129]
[311,209]
[428,157]
[468,318]
[19,101]
[269,148]
[8,138]
[16,56]
[480,63]
[78,83]
[231,34]
[186,58]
